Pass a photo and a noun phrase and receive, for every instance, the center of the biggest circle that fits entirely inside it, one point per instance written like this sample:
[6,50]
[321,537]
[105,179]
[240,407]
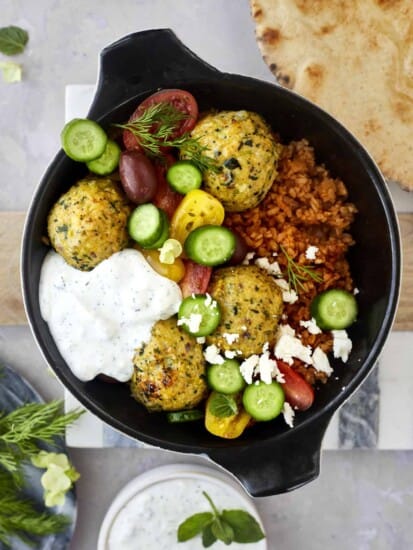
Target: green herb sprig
[153,129]
[297,274]
[222,405]
[13,40]
[22,430]
[228,526]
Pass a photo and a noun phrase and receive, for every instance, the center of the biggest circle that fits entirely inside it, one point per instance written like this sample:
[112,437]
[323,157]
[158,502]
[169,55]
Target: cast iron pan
[269,458]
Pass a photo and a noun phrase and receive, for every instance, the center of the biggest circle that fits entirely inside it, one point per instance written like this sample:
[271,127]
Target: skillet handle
[272,467]
[144,61]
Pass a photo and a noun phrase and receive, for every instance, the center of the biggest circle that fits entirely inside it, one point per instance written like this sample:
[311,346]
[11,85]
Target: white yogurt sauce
[150,519]
[98,318]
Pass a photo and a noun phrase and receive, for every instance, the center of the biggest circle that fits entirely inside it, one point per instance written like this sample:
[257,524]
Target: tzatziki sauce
[98,318]
[150,519]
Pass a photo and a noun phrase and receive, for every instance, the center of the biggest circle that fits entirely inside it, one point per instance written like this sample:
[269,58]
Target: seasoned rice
[305,207]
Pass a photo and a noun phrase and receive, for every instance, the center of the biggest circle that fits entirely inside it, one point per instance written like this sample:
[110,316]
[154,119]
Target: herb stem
[209,499]
[298,274]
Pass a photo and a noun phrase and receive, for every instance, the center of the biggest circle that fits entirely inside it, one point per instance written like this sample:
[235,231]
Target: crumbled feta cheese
[212,355]
[247,367]
[311,326]
[249,256]
[272,268]
[208,300]
[341,344]
[244,328]
[230,337]
[321,362]
[201,339]
[288,413]
[288,347]
[229,354]
[193,322]
[284,316]
[289,295]
[266,367]
[356,291]
[285,329]
[311,252]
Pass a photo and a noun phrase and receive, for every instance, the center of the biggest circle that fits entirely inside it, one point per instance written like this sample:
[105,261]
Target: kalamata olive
[240,251]
[138,176]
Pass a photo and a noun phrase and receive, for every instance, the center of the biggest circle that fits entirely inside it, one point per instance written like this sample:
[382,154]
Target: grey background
[363,499]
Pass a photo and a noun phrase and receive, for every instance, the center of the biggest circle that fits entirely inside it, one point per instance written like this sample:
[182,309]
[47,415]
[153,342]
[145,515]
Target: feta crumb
[229,354]
[230,337]
[284,316]
[208,300]
[193,322]
[247,367]
[288,347]
[311,326]
[285,329]
[321,362]
[311,252]
[288,413]
[249,256]
[289,295]
[341,344]
[356,291]
[212,355]
[272,268]
[266,367]
[201,339]
[244,328]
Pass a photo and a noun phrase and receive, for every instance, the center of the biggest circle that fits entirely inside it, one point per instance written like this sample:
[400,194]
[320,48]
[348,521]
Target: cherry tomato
[197,208]
[182,100]
[138,176]
[196,278]
[298,392]
[228,427]
[165,197]
[175,271]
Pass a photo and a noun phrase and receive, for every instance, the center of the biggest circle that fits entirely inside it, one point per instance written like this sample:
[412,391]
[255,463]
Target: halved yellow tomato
[197,208]
[174,271]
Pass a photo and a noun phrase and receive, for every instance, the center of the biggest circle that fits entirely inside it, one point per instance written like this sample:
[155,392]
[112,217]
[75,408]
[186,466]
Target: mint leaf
[208,537]
[221,405]
[222,530]
[245,527]
[13,40]
[194,525]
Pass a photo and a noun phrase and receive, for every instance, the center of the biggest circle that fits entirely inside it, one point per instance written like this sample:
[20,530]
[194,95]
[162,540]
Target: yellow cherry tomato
[197,208]
[174,271]
[228,427]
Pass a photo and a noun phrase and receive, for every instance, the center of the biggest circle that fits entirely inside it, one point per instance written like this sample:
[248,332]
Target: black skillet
[269,458]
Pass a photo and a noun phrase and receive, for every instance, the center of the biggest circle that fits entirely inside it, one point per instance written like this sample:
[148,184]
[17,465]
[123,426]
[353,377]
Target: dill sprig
[153,130]
[297,274]
[23,429]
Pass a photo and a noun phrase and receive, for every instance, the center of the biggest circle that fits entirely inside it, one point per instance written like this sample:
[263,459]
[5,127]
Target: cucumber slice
[210,245]
[164,233]
[226,378]
[263,401]
[184,416]
[183,176]
[108,162]
[199,315]
[145,224]
[334,309]
[83,140]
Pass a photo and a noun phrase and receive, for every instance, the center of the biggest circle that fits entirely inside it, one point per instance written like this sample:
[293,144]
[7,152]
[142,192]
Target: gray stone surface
[363,500]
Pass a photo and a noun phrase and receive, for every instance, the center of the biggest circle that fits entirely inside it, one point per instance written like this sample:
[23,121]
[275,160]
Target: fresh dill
[154,130]
[23,432]
[296,274]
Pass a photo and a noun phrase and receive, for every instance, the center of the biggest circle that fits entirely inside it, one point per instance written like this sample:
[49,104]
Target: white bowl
[168,482]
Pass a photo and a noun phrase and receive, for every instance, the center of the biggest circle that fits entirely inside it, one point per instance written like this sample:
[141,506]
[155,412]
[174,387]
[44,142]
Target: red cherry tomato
[165,197]
[182,100]
[196,279]
[298,392]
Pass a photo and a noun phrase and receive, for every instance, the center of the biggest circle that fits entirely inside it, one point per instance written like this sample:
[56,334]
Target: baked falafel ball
[251,305]
[246,153]
[89,222]
[169,371]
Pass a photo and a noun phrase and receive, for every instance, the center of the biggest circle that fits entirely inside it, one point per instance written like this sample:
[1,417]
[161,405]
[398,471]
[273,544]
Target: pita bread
[354,58]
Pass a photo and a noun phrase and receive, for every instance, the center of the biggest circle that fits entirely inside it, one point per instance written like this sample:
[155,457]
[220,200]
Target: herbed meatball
[89,222]
[169,371]
[242,144]
[251,306]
